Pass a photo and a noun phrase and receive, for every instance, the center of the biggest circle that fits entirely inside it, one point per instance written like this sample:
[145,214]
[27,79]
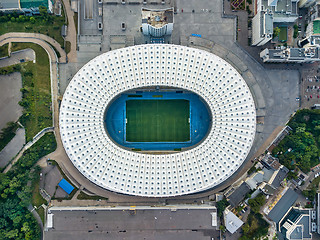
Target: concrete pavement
[13,147]
[10,95]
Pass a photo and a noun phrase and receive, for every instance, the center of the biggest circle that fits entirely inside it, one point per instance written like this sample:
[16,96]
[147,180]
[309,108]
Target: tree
[276,32]
[221,206]
[257,202]
[32,20]
[43,11]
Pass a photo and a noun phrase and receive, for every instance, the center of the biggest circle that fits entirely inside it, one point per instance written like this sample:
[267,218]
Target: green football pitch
[157,120]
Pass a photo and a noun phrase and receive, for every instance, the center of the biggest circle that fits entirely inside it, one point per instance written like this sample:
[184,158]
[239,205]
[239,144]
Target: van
[100,26]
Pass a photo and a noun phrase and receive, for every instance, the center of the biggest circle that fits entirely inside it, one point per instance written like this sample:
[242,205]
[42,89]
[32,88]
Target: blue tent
[67,187]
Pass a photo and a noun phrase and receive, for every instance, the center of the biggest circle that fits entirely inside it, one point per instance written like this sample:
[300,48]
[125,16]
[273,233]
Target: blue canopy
[67,187]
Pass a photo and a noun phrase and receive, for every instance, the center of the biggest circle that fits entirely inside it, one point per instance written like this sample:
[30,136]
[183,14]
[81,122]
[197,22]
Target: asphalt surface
[13,147]
[126,224]
[10,96]
[17,57]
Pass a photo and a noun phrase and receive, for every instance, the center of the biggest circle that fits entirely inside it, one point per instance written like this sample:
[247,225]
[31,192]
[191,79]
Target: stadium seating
[207,165]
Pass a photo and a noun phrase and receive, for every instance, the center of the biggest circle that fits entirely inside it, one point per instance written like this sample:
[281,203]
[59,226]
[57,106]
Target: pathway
[37,217]
[72,33]
[34,38]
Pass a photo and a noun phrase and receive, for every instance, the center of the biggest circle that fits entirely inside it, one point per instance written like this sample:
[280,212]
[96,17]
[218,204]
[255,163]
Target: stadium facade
[155,66]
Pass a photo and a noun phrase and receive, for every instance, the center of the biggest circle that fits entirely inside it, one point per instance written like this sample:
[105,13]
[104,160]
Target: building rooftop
[233,223]
[281,174]
[67,187]
[9,4]
[157,18]
[296,224]
[238,194]
[316,27]
[283,205]
[33,3]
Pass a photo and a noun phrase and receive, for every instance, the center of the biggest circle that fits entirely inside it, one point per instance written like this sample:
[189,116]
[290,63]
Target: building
[254,180]
[296,224]
[291,55]
[157,23]
[284,11]
[268,12]
[232,222]
[9,5]
[306,3]
[139,68]
[236,195]
[282,206]
[26,6]
[262,27]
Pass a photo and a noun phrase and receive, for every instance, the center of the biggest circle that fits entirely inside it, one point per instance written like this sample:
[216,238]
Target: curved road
[35,38]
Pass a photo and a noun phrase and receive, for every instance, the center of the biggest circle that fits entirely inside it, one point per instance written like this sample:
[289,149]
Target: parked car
[100,26]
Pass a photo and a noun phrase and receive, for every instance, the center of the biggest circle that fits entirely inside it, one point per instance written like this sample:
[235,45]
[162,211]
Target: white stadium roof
[200,168]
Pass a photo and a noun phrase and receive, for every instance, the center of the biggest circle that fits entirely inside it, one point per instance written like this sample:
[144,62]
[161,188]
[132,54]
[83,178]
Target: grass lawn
[83,196]
[36,91]
[37,199]
[51,29]
[75,19]
[41,213]
[283,34]
[7,134]
[157,120]
[4,50]
[68,47]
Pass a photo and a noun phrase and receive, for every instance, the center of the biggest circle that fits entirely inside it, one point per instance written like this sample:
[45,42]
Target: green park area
[283,34]
[157,120]
[47,24]
[300,149]
[18,192]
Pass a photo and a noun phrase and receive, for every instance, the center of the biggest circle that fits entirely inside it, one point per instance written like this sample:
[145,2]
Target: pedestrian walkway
[31,37]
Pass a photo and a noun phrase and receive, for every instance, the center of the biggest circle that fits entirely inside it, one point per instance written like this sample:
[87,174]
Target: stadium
[157,120]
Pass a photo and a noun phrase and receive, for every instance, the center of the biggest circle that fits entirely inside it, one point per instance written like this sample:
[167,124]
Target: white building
[268,12]
[294,55]
[262,27]
[157,23]
[284,11]
[110,166]
[232,222]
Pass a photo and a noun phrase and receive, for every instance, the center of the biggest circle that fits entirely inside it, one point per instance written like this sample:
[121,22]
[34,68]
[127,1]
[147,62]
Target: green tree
[257,202]
[276,32]
[32,20]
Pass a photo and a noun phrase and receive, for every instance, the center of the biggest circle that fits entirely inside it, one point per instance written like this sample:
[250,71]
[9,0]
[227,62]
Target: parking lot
[310,88]
[10,96]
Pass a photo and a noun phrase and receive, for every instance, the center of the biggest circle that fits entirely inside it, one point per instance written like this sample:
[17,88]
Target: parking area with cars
[310,88]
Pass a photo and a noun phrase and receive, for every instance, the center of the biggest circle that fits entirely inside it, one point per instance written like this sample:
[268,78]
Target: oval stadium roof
[114,168]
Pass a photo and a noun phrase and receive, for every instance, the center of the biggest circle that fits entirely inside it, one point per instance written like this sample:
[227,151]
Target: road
[37,217]
[37,38]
